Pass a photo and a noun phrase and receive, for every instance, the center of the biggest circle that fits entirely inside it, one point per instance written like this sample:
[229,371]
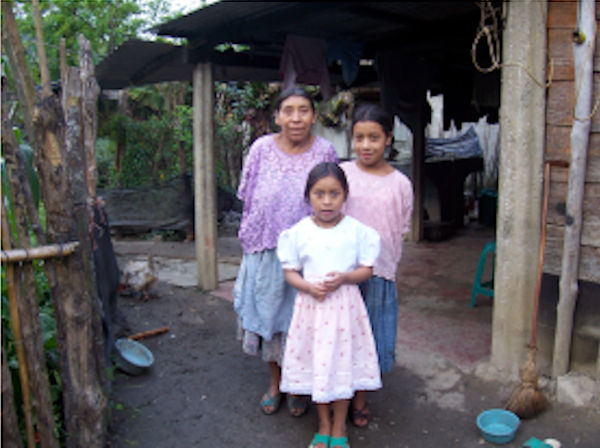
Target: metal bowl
[133,357]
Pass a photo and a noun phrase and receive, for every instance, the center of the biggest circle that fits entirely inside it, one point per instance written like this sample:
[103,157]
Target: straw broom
[528,400]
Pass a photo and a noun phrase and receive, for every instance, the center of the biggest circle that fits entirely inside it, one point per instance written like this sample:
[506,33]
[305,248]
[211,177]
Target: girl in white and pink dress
[330,351]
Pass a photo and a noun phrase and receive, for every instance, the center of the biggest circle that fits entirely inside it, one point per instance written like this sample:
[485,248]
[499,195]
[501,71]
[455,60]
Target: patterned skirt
[330,351]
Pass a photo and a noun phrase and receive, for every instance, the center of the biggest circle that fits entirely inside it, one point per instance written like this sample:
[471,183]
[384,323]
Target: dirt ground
[203,391]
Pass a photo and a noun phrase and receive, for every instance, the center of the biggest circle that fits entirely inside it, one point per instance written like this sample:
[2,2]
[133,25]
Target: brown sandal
[360,417]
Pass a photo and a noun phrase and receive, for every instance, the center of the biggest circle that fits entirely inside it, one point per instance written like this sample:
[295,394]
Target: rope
[488,12]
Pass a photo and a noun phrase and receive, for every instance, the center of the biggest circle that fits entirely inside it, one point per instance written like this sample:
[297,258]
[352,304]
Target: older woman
[272,188]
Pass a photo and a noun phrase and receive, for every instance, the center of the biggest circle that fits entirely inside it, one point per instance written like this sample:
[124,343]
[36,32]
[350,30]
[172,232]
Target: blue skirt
[262,299]
[381,299]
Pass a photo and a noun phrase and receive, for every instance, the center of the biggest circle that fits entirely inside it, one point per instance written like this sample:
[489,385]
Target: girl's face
[369,140]
[295,117]
[326,198]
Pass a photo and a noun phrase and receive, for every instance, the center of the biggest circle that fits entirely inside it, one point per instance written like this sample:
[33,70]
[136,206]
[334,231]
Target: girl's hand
[318,291]
[334,280]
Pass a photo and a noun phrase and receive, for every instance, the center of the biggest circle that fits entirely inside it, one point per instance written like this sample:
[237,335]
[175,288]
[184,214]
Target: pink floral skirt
[330,350]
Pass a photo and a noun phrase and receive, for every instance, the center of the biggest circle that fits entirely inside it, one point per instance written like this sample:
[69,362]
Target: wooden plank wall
[562,20]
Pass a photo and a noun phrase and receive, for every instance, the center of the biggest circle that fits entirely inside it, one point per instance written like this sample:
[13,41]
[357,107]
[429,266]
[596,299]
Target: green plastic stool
[485,288]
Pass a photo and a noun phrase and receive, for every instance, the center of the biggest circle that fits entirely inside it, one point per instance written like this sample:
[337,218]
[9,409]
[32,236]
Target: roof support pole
[205,196]
[583,56]
[518,227]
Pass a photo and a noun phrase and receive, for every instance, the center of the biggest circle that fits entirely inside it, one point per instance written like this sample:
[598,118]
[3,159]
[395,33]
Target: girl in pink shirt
[382,198]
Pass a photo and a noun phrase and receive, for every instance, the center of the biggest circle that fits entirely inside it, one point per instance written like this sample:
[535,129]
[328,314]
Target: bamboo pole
[11,435]
[583,60]
[38,253]
[45,76]
[22,76]
[16,328]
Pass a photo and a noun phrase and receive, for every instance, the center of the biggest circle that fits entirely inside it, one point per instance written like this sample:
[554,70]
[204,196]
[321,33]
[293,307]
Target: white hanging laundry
[436,127]
[403,140]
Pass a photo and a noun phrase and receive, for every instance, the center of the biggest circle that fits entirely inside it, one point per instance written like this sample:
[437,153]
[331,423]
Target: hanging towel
[304,61]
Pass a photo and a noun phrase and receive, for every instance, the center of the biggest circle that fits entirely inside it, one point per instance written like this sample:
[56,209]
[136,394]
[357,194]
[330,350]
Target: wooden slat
[589,268]
[562,14]
[558,142]
[592,172]
[596,97]
[591,210]
[560,103]
[560,49]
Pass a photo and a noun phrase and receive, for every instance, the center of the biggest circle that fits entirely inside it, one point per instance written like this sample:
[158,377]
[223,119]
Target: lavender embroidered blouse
[272,188]
[384,203]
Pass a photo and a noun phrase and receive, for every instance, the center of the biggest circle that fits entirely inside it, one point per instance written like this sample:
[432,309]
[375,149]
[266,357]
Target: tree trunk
[62,175]
[61,164]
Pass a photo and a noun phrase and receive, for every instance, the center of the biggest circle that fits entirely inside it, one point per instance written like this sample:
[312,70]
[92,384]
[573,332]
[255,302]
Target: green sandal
[341,442]
[319,438]
[270,402]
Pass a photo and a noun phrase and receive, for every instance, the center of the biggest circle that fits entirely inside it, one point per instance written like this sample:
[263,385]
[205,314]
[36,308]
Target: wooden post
[44,75]
[16,329]
[22,77]
[11,436]
[417,168]
[62,178]
[89,107]
[583,57]
[205,207]
[25,293]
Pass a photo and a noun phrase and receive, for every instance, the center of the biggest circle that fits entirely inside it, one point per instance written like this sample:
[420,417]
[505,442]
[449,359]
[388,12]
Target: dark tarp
[164,207]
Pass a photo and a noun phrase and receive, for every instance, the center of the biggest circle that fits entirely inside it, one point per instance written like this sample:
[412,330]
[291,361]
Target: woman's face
[295,117]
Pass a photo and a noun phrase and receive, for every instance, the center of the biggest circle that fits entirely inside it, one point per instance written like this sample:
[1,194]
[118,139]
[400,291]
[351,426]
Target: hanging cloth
[349,54]
[304,61]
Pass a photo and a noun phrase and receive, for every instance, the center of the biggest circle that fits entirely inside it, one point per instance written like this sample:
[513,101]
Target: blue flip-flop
[271,402]
[297,404]
[319,438]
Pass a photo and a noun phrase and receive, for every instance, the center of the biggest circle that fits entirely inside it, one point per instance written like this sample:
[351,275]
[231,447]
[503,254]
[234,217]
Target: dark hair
[321,171]
[373,112]
[294,91]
